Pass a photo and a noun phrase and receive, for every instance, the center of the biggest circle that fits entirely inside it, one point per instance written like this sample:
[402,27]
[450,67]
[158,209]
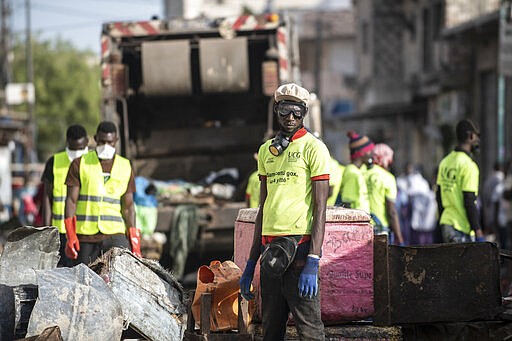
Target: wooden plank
[477,330]
[350,331]
[191,322]
[206,308]
[220,217]
[381,279]
[243,315]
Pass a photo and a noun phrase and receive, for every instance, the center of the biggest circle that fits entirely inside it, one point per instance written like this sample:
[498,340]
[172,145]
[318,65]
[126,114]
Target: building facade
[422,66]
[327,57]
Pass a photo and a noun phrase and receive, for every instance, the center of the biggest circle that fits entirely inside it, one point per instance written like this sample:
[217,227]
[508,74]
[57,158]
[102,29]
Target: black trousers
[64,261]
[89,252]
[281,296]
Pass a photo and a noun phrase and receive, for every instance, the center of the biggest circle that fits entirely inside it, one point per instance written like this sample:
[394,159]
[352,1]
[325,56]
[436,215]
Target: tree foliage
[67,87]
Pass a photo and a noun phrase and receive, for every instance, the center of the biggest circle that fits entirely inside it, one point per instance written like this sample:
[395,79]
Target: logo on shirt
[448,178]
[293,156]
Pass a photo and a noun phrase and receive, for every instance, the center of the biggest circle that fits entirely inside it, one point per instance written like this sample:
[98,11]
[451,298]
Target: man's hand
[479,236]
[134,237]
[246,279]
[72,244]
[308,280]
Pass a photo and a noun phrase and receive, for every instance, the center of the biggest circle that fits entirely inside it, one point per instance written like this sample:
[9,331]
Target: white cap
[292,92]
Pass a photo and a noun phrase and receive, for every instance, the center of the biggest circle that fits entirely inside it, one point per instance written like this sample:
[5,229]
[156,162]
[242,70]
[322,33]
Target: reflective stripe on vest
[60,170]
[99,203]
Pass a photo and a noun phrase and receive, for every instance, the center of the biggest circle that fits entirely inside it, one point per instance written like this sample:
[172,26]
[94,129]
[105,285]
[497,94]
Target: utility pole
[5,74]
[30,80]
[318,54]
[504,71]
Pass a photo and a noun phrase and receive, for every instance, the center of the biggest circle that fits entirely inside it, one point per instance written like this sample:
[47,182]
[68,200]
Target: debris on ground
[79,302]
[28,249]
[150,297]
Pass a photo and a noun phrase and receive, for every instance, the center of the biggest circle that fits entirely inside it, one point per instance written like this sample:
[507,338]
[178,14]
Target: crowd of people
[90,196]
[406,207]
[496,205]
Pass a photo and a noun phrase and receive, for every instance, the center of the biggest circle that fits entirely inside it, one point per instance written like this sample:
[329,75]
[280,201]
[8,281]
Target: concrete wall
[461,11]
[335,46]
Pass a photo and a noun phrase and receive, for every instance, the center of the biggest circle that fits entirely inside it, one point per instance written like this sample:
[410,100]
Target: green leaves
[67,83]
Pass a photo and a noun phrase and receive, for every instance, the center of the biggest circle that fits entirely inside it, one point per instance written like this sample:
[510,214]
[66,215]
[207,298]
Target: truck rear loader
[195,96]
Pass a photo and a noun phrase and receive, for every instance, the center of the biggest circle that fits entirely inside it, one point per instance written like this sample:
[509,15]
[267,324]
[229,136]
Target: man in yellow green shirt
[294,171]
[54,177]
[382,192]
[99,209]
[457,188]
[354,192]
[252,191]
[337,170]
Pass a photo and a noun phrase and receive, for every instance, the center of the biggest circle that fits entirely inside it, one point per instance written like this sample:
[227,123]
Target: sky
[79,21]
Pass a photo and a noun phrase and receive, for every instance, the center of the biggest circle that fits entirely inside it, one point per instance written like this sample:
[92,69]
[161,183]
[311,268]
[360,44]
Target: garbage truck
[192,97]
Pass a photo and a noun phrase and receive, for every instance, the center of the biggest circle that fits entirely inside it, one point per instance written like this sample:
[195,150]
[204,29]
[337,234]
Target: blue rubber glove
[481,239]
[308,280]
[246,279]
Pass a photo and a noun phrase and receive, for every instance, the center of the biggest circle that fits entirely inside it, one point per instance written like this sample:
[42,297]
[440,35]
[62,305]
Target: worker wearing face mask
[100,213]
[54,188]
[294,170]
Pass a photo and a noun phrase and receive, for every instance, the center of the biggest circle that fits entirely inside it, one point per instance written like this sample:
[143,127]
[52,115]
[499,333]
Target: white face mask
[105,151]
[73,154]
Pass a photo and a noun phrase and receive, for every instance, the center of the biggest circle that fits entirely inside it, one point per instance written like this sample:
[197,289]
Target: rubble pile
[95,302]
[150,297]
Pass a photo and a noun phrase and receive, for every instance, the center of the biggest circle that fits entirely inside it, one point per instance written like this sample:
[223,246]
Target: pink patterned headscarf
[383,155]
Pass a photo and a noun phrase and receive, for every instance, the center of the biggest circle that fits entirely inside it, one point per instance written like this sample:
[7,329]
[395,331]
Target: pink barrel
[346,266]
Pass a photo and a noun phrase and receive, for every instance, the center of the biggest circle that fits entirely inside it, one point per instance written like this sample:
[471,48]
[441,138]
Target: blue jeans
[281,296]
[451,235]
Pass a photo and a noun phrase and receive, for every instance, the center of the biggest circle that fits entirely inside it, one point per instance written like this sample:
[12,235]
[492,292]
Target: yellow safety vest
[60,170]
[99,203]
